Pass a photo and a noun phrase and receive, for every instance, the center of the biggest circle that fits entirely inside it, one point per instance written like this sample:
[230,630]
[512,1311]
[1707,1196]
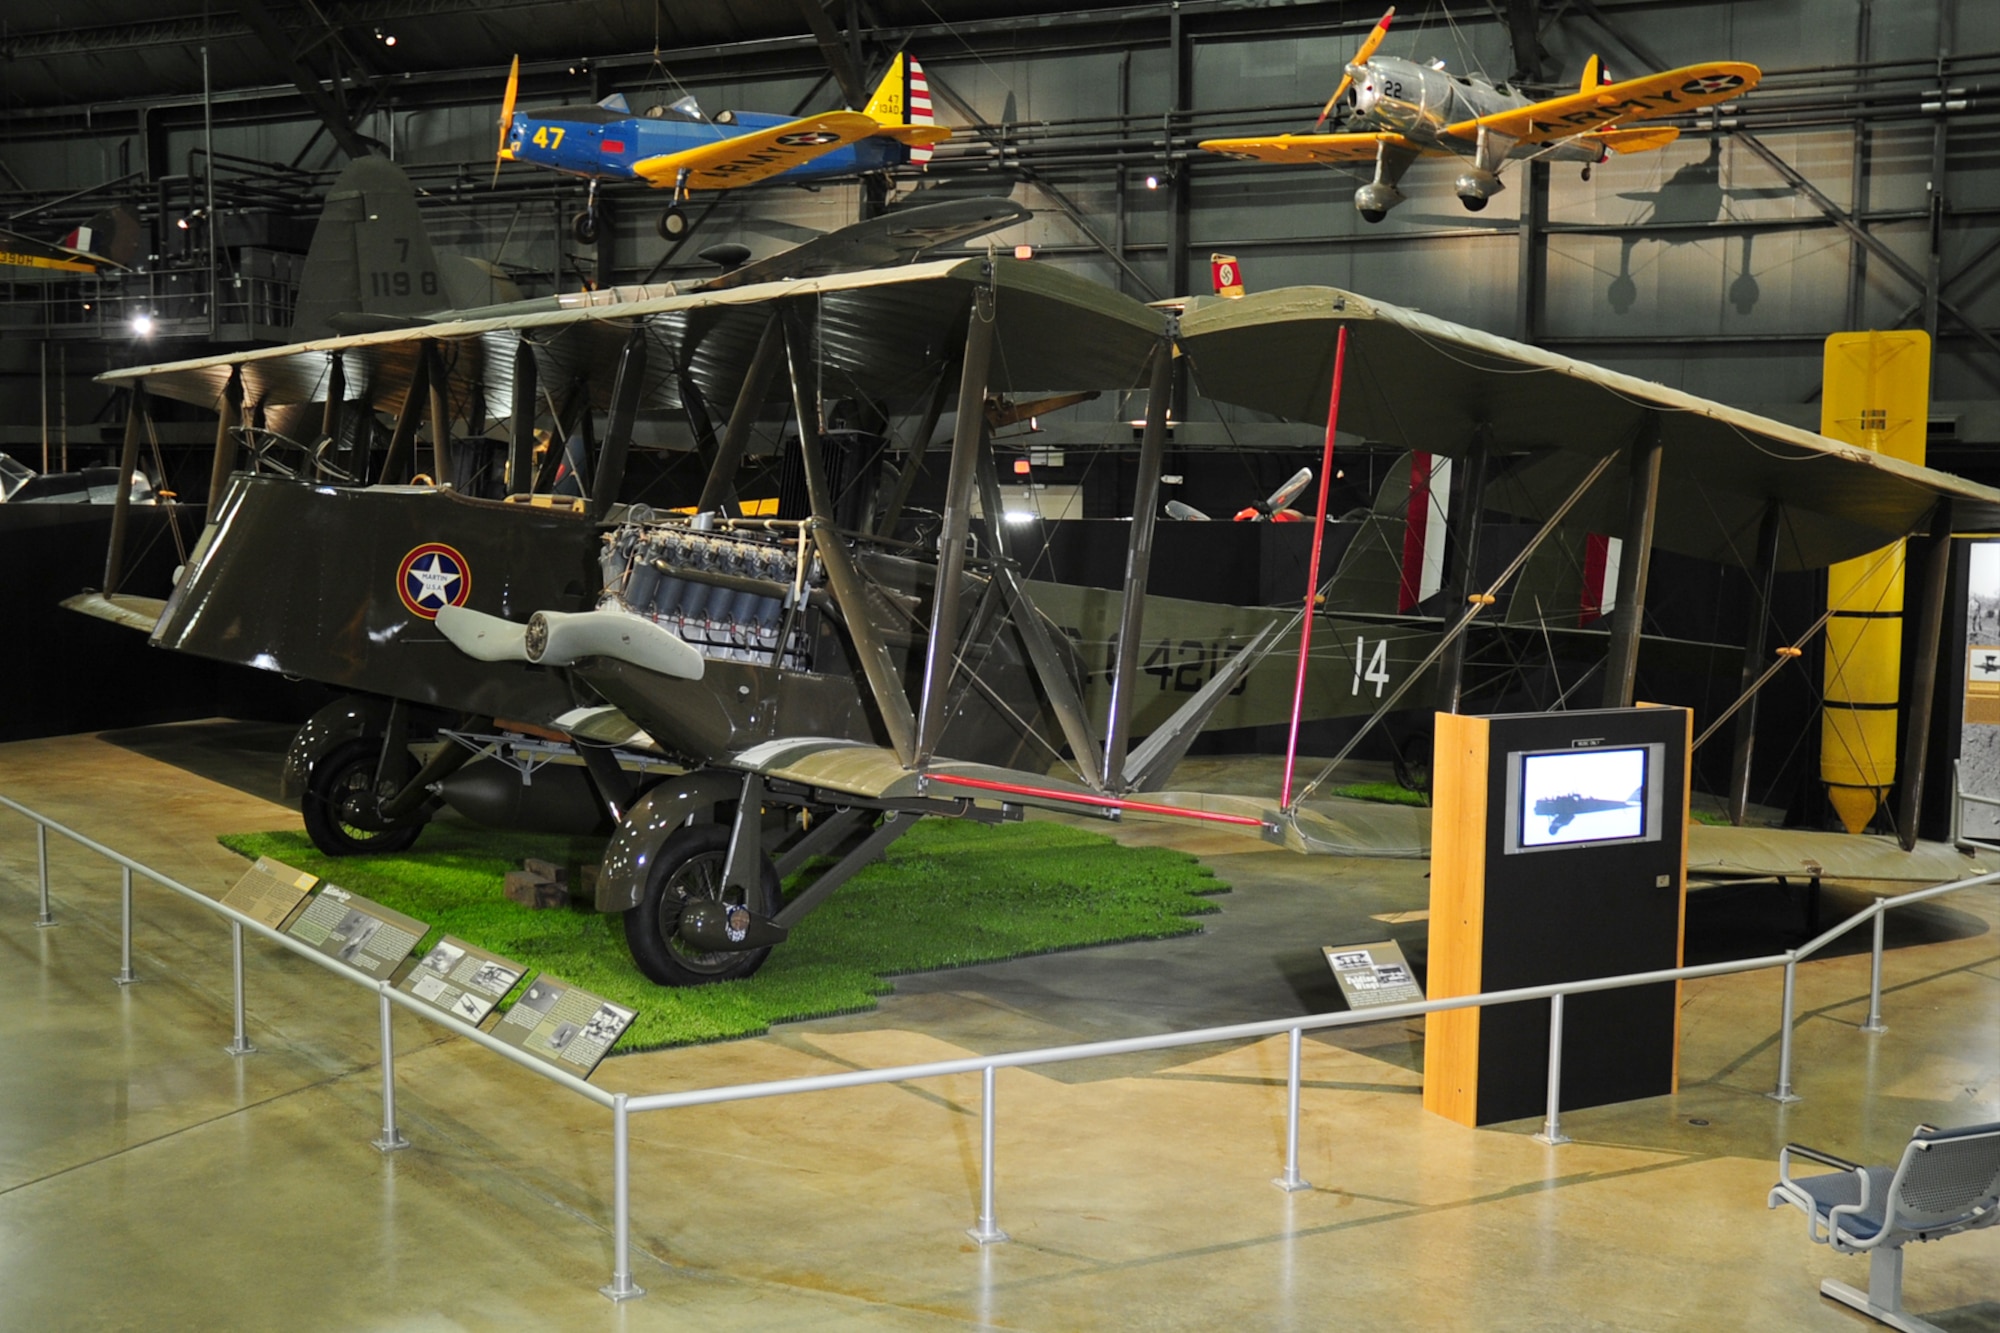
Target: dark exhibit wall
[68,673]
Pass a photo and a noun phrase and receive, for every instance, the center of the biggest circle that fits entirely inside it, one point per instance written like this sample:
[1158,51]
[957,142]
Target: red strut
[1312,579]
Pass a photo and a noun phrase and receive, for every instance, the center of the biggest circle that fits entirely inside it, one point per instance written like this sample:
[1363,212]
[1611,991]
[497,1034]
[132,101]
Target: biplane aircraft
[680,148]
[1394,111]
[700,681]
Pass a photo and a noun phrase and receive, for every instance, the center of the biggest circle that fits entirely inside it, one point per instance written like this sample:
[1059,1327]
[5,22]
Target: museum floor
[149,1180]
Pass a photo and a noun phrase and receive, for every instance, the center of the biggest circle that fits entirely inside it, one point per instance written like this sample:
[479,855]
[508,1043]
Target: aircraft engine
[723,591]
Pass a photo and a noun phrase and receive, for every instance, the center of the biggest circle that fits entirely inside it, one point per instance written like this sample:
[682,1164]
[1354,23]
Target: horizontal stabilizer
[140,613]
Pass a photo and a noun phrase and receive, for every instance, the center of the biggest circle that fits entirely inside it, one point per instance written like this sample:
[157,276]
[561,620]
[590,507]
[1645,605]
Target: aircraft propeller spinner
[1368,45]
[506,116]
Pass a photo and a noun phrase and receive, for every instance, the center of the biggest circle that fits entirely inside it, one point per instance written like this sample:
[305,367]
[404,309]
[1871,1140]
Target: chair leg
[1883,1301]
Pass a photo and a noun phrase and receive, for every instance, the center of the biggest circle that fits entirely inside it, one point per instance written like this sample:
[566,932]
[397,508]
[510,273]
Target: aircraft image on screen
[1394,111]
[683,149]
[1553,788]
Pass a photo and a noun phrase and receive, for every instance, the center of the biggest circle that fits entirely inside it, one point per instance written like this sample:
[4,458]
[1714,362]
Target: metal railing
[986,1228]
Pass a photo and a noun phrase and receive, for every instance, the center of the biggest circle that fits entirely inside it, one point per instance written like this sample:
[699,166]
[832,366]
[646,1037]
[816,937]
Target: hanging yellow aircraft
[1395,111]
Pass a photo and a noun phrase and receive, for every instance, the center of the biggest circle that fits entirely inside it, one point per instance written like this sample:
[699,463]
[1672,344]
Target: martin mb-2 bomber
[1393,112]
[736,694]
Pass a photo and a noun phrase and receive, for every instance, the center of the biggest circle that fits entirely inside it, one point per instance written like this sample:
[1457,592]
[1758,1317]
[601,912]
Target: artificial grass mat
[1388,793]
[948,893]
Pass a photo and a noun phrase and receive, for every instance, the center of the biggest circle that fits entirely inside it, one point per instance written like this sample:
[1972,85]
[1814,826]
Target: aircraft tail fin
[904,98]
[1593,74]
[370,253]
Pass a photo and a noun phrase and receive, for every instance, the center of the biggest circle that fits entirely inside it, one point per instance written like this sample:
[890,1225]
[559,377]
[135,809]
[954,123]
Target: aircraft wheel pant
[690,866]
[341,798]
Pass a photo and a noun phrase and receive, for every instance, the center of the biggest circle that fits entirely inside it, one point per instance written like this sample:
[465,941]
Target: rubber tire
[649,928]
[347,769]
[584,227]
[673,223]
[1474,203]
[1373,214]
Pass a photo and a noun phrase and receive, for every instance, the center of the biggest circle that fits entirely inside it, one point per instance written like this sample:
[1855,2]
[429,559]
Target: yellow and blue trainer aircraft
[681,148]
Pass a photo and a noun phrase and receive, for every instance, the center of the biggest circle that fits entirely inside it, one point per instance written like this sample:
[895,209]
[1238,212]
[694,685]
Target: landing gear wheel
[584,227]
[1586,172]
[688,867]
[1374,214]
[342,800]
[1474,203]
[673,223]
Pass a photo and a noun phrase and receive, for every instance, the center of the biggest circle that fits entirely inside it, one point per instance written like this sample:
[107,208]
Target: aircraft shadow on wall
[1685,208]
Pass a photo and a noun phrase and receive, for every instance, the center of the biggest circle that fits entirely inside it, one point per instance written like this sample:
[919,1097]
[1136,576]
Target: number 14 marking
[1378,665]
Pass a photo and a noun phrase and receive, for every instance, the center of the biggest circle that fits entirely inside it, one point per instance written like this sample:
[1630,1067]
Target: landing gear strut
[584,225]
[674,222]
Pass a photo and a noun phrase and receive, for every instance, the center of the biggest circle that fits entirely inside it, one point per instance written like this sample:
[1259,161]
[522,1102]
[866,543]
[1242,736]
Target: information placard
[368,937]
[1373,974]
[568,1027]
[269,891]
[462,979]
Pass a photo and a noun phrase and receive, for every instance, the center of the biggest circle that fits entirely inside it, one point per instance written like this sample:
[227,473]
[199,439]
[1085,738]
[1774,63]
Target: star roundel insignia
[1710,84]
[808,138]
[432,577]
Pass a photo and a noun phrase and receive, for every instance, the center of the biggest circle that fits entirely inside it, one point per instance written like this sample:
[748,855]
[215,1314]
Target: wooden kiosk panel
[1558,854]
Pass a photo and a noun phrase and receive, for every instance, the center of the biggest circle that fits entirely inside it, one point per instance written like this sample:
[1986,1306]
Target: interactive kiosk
[1558,853]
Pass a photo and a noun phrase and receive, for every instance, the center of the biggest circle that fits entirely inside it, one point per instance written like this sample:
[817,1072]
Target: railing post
[1874,1022]
[47,918]
[389,1140]
[125,977]
[239,1044]
[1784,1092]
[621,1287]
[1291,1182]
[987,1232]
[1552,1133]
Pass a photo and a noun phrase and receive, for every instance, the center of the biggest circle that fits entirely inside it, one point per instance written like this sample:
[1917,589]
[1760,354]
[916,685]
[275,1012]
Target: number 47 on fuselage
[679,147]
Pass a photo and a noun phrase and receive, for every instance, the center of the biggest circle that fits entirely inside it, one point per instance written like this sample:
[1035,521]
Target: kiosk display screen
[1574,798]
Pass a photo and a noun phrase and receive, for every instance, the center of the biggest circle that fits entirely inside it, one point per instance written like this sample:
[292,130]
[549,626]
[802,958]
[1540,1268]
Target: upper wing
[1668,94]
[1298,148]
[745,159]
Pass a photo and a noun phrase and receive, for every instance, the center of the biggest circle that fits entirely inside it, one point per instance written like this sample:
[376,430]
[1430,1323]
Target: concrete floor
[149,1180]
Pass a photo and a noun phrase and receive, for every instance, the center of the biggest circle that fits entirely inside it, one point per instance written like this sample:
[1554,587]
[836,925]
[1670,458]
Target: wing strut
[1936,549]
[1621,668]
[121,503]
[1464,555]
[1057,681]
[521,446]
[403,440]
[1138,562]
[850,591]
[1319,541]
[625,387]
[229,412]
[1459,627]
[1753,656]
[331,426]
[942,649]
[721,483]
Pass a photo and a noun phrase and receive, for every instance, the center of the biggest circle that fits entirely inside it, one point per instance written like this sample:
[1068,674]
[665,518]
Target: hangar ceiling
[1854,188]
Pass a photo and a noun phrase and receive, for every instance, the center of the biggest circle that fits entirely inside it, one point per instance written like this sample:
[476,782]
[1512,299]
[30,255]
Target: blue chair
[1948,1181]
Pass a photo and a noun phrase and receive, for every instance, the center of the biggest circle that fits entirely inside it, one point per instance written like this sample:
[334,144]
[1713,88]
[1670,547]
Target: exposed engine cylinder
[723,591]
